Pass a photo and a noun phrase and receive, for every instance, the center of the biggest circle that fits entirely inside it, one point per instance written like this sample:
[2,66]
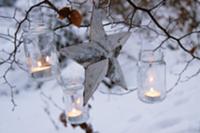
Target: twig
[180,75]
[52,101]
[148,11]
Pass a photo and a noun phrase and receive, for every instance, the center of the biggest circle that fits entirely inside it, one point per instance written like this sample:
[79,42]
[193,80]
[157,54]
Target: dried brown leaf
[64,12]
[75,18]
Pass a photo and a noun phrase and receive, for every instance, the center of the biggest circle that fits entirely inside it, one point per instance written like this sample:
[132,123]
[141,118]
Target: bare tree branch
[180,75]
[148,11]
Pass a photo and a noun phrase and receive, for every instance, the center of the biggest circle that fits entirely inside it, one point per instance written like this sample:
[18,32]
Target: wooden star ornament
[99,55]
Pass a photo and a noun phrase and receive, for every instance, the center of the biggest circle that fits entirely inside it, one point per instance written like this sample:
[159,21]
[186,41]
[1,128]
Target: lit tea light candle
[74,115]
[40,67]
[152,94]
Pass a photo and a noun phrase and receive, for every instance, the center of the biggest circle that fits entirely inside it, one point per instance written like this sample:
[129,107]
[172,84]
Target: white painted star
[98,56]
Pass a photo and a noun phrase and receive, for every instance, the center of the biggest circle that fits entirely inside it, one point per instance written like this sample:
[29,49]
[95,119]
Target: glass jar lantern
[75,111]
[40,53]
[151,76]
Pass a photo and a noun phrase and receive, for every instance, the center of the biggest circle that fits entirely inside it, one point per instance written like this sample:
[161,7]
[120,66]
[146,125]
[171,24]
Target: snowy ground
[178,113]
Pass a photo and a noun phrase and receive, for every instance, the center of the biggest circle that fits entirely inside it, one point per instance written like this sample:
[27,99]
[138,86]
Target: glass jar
[40,52]
[151,76]
[75,111]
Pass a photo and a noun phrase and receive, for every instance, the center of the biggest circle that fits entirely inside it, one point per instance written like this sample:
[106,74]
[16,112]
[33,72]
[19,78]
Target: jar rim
[151,56]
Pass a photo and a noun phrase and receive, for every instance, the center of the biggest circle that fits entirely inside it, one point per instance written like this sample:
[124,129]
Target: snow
[178,113]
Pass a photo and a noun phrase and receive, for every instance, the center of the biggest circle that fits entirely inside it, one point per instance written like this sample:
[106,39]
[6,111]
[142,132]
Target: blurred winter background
[39,105]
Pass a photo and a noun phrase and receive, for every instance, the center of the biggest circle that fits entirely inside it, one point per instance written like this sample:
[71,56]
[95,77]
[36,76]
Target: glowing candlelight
[39,63]
[78,101]
[42,65]
[151,79]
[152,93]
[74,113]
[38,69]
[151,76]
[77,113]
[47,59]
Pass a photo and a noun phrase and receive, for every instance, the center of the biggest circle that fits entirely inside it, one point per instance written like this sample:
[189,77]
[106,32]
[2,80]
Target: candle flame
[151,79]
[47,59]
[78,101]
[74,110]
[39,63]
[152,89]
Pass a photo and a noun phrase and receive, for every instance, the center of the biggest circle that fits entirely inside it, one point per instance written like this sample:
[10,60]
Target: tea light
[40,67]
[43,68]
[74,115]
[152,94]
